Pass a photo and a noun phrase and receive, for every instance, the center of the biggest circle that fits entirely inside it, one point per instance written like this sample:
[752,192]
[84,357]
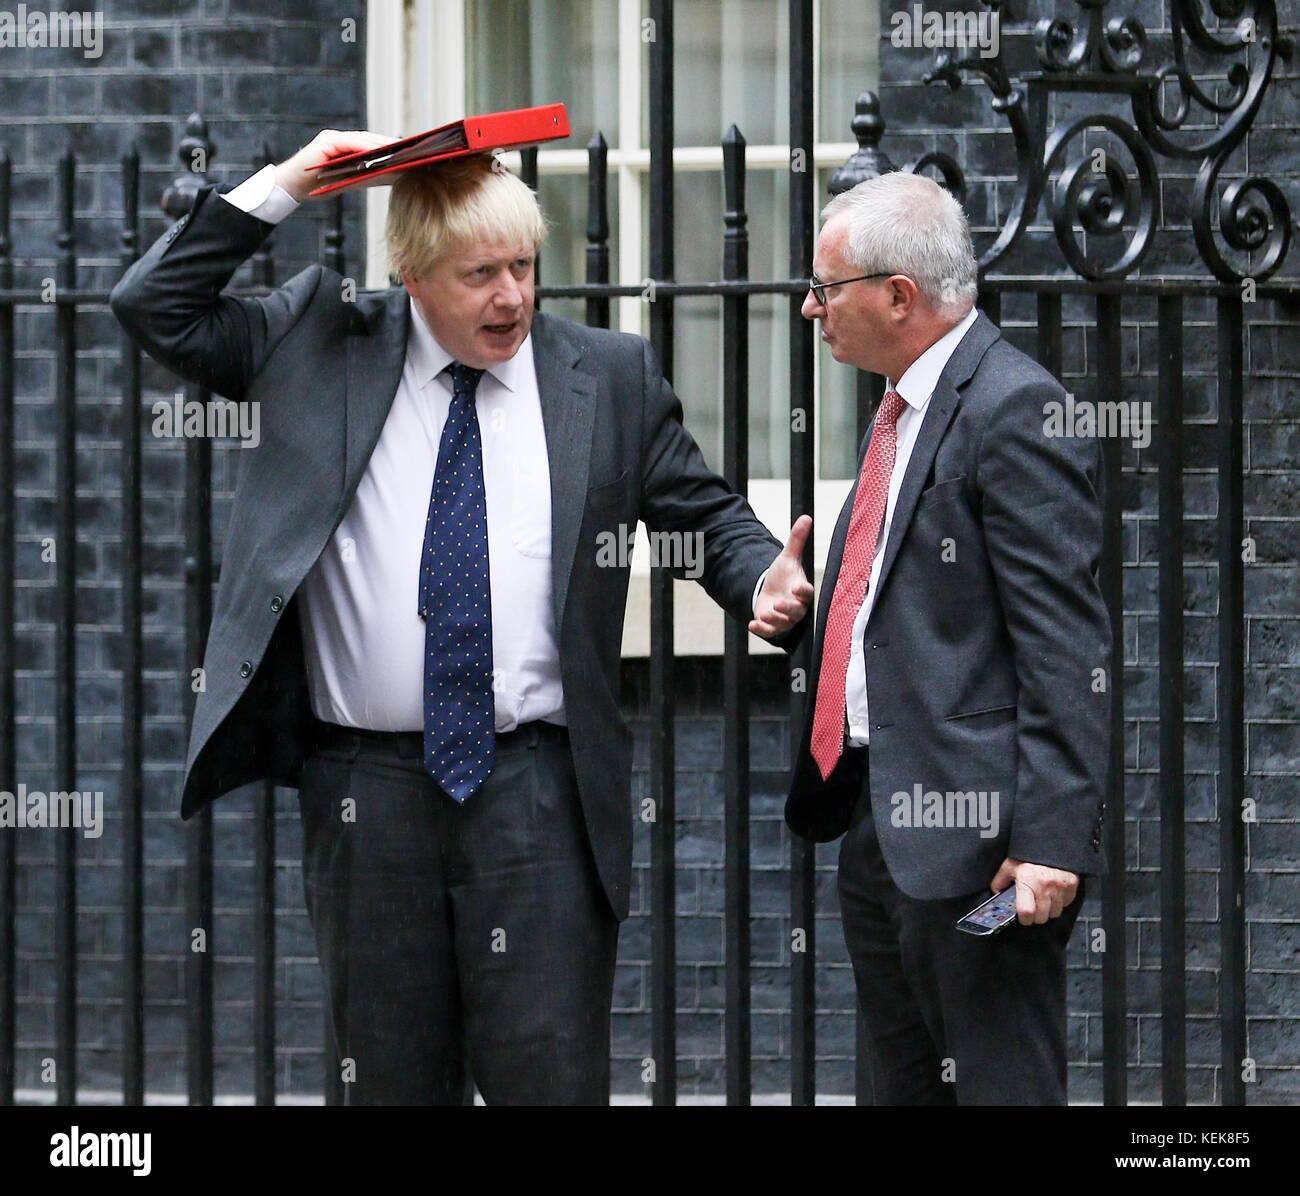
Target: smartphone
[992,915]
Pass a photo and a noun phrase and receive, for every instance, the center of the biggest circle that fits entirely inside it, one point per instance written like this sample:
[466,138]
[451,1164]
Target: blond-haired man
[415,626]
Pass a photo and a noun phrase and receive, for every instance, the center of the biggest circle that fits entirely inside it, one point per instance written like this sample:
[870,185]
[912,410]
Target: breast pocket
[983,718]
[530,512]
[608,494]
[941,492]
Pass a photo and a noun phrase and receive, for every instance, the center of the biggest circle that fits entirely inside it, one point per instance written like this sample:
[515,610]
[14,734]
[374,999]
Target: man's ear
[903,294]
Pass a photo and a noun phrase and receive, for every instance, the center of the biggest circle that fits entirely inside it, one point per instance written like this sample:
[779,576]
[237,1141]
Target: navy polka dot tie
[456,605]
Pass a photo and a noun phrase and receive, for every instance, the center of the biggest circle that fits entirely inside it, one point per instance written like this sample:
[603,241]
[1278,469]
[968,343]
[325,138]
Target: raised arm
[170,300]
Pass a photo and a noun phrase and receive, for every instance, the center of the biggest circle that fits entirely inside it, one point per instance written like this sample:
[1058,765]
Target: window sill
[698,622]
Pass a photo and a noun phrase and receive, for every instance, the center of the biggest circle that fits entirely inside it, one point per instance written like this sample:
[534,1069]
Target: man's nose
[509,294]
[811,308]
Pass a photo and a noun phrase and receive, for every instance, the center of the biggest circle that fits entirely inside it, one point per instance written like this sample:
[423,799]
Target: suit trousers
[950,1018]
[457,937]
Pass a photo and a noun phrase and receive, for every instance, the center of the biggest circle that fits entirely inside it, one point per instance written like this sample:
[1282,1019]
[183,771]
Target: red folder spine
[501,130]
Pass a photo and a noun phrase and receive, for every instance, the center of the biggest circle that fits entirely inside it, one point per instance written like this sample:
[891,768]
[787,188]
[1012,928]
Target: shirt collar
[922,376]
[428,358]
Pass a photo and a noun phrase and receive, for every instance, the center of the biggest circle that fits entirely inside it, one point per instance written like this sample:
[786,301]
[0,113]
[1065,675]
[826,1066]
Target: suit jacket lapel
[376,353]
[938,415]
[568,398]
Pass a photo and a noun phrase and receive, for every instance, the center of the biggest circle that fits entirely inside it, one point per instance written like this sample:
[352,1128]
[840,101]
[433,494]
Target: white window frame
[416,80]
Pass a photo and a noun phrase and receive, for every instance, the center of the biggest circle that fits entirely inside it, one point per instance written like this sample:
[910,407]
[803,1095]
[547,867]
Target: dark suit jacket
[983,641]
[325,372]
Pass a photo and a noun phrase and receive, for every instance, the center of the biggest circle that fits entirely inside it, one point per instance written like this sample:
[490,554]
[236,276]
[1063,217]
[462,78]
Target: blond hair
[437,209]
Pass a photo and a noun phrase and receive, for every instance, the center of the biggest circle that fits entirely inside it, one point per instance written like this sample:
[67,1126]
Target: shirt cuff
[753,602]
[262,196]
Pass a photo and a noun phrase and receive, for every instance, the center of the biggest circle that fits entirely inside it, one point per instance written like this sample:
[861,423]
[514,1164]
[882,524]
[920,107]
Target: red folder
[473,135]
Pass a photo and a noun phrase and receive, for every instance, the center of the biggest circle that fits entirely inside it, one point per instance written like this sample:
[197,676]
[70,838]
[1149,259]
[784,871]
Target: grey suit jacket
[987,647]
[325,372]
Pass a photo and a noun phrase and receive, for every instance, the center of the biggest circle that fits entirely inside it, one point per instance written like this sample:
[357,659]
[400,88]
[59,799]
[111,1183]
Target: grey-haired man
[957,734]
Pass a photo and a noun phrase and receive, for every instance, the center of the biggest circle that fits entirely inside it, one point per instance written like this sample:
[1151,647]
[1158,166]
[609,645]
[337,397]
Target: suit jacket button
[246,668]
[277,604]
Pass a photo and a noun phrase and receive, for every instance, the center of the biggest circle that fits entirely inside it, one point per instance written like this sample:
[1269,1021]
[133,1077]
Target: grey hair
[908,224]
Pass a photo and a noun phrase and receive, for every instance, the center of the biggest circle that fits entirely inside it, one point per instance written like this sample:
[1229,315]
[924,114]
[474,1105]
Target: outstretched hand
[786,592]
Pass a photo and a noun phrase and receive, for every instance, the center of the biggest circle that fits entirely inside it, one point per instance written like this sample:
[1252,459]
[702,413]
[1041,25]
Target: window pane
[546,51]
[564,254]
[850,64]
[697,323]
[730,66]
[697,331]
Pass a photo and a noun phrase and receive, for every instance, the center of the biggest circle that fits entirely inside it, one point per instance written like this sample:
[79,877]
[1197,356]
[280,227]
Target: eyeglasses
[818,287]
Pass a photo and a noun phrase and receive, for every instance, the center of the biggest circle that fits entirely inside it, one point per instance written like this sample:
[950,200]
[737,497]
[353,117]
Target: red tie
[851,584]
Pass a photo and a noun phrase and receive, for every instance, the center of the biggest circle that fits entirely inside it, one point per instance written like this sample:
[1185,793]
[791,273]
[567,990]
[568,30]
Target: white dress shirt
[363,641]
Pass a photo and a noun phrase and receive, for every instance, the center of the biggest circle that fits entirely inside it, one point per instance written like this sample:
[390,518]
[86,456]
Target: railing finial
[195,152]
[868,161]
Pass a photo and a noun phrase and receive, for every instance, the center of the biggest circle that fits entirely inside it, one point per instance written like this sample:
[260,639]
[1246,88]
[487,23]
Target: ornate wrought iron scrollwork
[1117,46]
[1243,223]
[1108,56]
[1099,200]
